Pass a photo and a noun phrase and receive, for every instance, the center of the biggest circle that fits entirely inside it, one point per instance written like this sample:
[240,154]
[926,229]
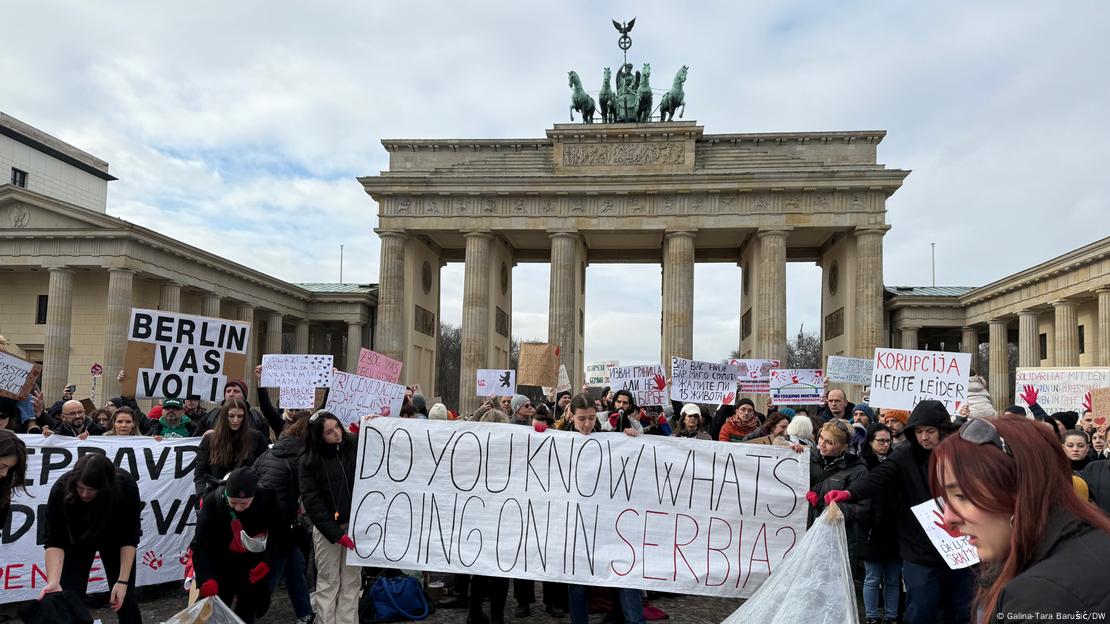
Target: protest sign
[1060,389]
[352,397]
[296,371]
[297,397]
[790,386]
[377,366]
[539,365]
[1100,404]
[164,473]
[172,355]
[693,381]
[754,375]
[647,383]
[564,383]
[849,370]
[496,381]
[597,373]
[676,515]
[17,376]
[902,378]
[955,548]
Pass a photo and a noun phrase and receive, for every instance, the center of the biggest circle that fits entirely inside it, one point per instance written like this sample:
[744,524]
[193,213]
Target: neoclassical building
[70,274]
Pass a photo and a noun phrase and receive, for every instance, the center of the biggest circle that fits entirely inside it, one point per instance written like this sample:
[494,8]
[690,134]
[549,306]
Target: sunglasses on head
[983,431]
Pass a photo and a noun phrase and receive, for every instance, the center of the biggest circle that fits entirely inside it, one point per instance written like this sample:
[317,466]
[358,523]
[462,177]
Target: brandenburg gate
[662,192]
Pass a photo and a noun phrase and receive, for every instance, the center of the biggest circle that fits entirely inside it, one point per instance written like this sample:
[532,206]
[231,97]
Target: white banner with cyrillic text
[670,514]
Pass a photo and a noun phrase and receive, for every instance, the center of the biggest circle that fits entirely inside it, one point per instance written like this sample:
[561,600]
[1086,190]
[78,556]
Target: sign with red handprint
[797,386]
[754,375]
[1062,389]
[694,381]
[952,545]
[646,382]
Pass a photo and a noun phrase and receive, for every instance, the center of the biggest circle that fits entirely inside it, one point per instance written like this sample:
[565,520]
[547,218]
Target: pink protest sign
[377,366]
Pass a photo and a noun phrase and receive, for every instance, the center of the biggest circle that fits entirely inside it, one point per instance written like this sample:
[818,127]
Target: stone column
[869,290]
[170,300]
[770,339]
[475,317]
[300,337]
[273,333]
[909,337]
[211,305]
[390,339]
[354,344]
[678,297]
[999,376]
[562,318]
[1028,345]
[246,314]
[969,343]
[1067,333]
[120,287]
[59,314]
[1103,330]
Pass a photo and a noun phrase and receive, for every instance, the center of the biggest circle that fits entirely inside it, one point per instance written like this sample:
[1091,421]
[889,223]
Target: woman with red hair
[1007,485]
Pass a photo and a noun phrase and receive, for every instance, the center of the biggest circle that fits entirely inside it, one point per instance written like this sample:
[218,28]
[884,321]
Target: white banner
[693,381]
[754,375]
[1060,389]
[670,514]
[296,371]
[351,397]
[647,383]
[849,370]
[164,472]
[902,378]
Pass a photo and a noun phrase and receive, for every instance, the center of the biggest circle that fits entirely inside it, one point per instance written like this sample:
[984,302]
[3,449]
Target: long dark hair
[1030,485]
[229,447]
[314,444]
[12,446]
[99,473]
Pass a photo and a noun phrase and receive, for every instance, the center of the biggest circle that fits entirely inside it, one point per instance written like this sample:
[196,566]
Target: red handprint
[793,379]
[660,382]
[951,531]
[152,560]
[1087,402]
[729,396]
[1029,395]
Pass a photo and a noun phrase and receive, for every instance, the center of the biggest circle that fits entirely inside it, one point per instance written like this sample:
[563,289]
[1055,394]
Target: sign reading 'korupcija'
[902,378]
[679,515]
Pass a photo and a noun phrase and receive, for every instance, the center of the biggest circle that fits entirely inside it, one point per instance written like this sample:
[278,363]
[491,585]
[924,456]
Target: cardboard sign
[353,397]
[1060,389]
[294,397]
[377,366]
[539,365]
[902,378]
[956,550]
[647,383]
[754,375]
[1100,402]
[849,370]
[164,474]
[564,383]
[597,373]
[17,376]
[296,371]
[693,381]
[496,381]
[172,355]
[668,514]
[791,386]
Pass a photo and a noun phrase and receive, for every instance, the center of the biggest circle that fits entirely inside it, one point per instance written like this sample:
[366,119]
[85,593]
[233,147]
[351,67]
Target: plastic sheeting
[813,585]
[210,610]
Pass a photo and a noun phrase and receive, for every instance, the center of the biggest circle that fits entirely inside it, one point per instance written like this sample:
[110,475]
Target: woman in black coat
[94,508]
[833,467]
[877,535]
[232,444]
[13,468]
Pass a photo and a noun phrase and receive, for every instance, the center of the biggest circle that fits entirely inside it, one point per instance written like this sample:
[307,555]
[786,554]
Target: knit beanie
[238,382]
[788,412]
[419,403]
[866,409]
[518,400]
[745,401]
[438,412]
[690,408]
[242,483]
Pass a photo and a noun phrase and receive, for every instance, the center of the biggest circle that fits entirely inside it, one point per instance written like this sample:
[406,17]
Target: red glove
[811,496]
[353,428]
[346,542]
[209,588]
[662,419]
[837,496]
[259,572]
[540,426]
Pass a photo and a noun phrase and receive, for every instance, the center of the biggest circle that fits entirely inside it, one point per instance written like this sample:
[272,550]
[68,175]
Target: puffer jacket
[277,471]
[327,487]
[1097,476]
[208,476]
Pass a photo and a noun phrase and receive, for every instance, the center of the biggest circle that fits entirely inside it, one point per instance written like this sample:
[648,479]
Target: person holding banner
[327,479]
[232,444]
[237,539]
[13,468]
[94,508]
[1006,485]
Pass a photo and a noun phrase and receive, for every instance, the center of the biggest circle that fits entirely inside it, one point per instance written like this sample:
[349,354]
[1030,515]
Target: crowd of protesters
[275,496]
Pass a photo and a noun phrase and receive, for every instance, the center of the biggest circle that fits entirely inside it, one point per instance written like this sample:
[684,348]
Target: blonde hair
[832,430]
[494,416]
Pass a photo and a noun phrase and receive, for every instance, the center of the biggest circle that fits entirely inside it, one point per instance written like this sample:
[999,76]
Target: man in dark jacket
[930,585]
[73,422]
[836,406]
[1097,476]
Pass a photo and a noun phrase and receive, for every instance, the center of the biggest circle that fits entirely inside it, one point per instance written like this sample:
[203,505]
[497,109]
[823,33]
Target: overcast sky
[240,127]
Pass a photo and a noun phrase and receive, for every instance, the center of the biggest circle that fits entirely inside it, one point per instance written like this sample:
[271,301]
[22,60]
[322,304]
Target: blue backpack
[395,598]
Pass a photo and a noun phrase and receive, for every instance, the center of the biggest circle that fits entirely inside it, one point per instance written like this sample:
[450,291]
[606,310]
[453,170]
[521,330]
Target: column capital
[60,269]
[862,230]
[384,233]
[1105,290]
[999,321]
[773,232]
[1028,312]
[350,322]
[172,283]
[564,234]
[969,328]
[1064,303]
[120,270]
[680,233]
[478,234]
[246,306]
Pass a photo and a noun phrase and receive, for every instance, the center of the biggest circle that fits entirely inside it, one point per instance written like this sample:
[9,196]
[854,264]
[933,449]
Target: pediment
[25,210]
